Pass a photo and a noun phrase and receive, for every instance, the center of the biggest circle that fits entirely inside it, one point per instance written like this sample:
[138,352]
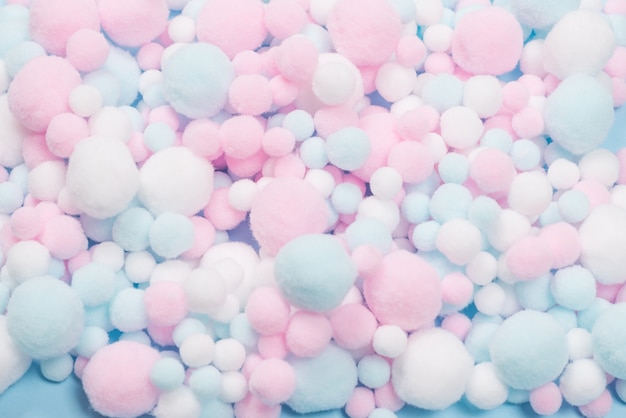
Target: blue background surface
[34,397]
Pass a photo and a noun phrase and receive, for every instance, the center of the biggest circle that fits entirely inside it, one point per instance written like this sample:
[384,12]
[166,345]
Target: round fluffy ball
[87,49]
[240,275]
[582,381]
[234,387]
[412,159]
[27,259]
[26,223]
[308,334]
[546,399]
[433,370]
[233,26]
[365,32]
[459,240]
[336,80]
[440,204]
[535,294]
[95,283]
[348,148]
[601,243]
[196,80]
[478,337]
[395,81]
[272,346]
[267,311]
[13,361]
[461,127]
[117,379]
[139,266]
[599,407]
[46,180]
[242,192]
[284,209]
[205,382]
[361,403]
[241,136]
[368,231]
[324,382]
[57,369]
[175,180]
[182,28]
[278,142]
[253,407]
[385,211]
[202,137]
[488,41]
[579,113]
[600,165]
[314,272]
[220,214]
[229,355]
[166,303]
[102,177]
[127,311]
[45,317]
[490,299]
[528,258]
[296,59]
[485,389]
[167,374]
[482,269]
[573,206]
[579,343]
[284,18]
[608,338]
[453,168]
[483,94]
[41,90]
[17,56]
[563,242]
[404,291]
[492,170]
[539,14]
[197,350]
[374,371]
[529,349]
[112,122]
[563,173]
[457,288]
[12,197]
[389,340]
[205,290]
[442,92]
[171,234]
[85,100]
[574,288]
[131,229]
[620,388]
[530,193]
[250,94]
[133,24]
[386,183]
[52,23]
[353,326]
[382,413]
[567,50]
[158,135]
[273,380]
[92,339]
